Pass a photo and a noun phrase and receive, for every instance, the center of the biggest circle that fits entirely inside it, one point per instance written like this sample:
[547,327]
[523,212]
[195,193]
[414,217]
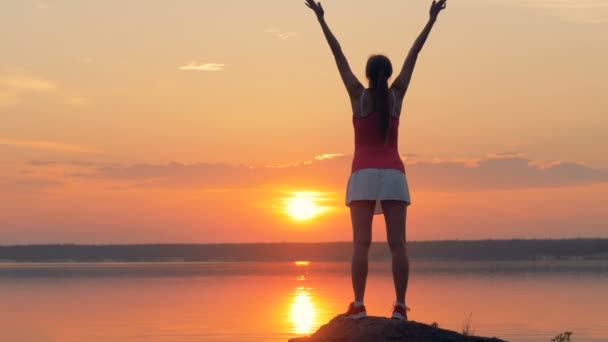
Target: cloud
[203,67]
[13,84]
[25,82]
[285,35]
[281,35]
[42,162]
[36,185]
[503,173]
[46,145]
[16,83]
[328,156]
[508,171]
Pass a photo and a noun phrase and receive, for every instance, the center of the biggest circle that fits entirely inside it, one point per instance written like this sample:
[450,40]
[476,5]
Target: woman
[377,183]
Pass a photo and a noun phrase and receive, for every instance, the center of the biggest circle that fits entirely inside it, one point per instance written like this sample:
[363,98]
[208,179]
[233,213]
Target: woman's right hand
[436,7]
[316,7]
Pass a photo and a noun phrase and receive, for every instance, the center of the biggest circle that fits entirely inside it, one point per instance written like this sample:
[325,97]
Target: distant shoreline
[448,250]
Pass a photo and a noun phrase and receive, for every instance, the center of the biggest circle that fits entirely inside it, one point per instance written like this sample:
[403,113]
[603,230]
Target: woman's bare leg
[361,214]
[395,213]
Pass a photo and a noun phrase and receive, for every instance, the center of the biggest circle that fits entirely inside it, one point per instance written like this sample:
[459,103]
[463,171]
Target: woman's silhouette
[377,183]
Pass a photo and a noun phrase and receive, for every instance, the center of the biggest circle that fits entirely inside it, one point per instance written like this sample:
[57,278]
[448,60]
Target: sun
[302,206]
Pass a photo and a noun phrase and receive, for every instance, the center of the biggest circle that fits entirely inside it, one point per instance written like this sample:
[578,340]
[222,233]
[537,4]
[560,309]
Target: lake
[266,301]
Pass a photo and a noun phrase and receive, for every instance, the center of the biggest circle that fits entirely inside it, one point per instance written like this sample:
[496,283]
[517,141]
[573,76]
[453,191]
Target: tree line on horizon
[480,250]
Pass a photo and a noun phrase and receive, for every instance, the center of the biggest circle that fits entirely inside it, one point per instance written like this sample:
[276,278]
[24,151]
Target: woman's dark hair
[378,70]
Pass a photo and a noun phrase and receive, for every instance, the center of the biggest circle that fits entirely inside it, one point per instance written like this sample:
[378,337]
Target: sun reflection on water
[303,311]
[302,268]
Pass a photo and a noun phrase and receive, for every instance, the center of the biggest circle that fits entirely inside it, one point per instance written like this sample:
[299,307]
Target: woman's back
[372,149]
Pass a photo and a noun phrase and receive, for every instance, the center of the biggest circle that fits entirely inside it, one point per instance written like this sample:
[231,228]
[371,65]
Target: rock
[381,329]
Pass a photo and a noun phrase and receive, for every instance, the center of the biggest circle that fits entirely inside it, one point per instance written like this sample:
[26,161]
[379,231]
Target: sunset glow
[213,122]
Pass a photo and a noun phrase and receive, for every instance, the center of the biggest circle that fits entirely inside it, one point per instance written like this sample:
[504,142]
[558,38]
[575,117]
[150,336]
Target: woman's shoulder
[363,104]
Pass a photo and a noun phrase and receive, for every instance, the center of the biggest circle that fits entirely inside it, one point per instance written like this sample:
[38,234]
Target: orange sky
[149,121]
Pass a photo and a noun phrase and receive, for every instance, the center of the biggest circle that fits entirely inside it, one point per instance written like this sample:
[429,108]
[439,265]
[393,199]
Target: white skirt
[377,185]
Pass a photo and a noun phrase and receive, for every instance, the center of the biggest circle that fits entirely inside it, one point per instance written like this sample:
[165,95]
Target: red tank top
[370,148]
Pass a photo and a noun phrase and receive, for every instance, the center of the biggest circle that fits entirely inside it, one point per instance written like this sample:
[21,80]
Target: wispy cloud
[499,171]
[47,146]
[41,162]
[285,35]
[328,156]
[203,67]
[25,82]
[15,83]
[27,184]
[37,162]
[279,34]
[505,155]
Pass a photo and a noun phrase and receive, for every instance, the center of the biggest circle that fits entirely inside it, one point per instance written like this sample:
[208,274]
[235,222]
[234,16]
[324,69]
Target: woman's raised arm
[403,79]
[353,86]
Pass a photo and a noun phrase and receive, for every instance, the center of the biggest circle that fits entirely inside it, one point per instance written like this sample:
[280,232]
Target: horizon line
[287,242]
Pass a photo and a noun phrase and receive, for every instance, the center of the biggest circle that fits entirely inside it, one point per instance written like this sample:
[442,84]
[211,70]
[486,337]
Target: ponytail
[378,71]
[381,104]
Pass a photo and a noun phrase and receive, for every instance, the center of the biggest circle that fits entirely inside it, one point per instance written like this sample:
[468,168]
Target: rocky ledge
[380,329]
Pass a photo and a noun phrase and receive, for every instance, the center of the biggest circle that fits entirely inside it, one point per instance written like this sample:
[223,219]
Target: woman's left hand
[316,7]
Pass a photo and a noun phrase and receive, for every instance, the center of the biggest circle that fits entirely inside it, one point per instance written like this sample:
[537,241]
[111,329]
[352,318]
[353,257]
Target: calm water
[277,301]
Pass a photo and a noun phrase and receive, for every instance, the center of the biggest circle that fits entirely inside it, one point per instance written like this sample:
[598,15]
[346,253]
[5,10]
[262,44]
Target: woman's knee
[396,244]
[363,243]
